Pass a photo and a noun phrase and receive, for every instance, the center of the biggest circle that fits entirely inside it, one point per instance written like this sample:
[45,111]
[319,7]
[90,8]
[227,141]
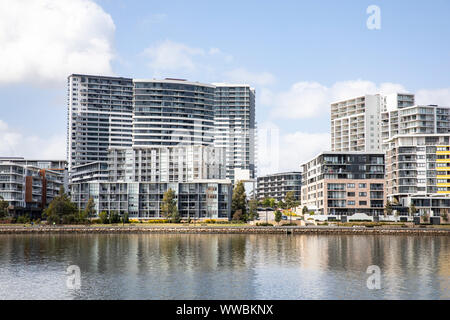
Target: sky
[298,55]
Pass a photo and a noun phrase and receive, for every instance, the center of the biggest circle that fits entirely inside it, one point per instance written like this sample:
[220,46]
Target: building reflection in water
[174,266]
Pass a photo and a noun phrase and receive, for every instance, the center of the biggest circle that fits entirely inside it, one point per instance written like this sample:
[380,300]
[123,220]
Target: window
[350,194]
[350,185]
[351,203]
[363,203]
[363,194]
[362,185]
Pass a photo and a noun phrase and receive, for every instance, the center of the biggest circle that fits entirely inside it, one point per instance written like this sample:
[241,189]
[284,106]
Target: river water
[223,267]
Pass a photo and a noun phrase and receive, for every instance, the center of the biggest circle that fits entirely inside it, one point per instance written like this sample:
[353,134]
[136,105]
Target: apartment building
[415,139]
[355,123]
[28,189]
[171,112]
[415,119]
[93,171]
[344,183]
[100,112]
[418,172]
[123,131]
[142,200]
[136,178]
[277,185]
[235,127]
[179,163]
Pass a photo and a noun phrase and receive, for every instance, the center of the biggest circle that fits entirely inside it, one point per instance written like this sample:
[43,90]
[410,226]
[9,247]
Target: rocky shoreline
[221,230]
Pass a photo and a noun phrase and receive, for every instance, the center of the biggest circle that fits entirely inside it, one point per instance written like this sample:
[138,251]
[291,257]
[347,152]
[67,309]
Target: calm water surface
[224,266]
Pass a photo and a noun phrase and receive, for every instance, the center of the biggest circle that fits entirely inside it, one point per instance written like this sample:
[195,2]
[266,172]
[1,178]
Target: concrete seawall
[222,230]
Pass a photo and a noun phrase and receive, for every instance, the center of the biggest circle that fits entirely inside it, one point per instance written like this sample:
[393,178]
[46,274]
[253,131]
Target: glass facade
[172,112]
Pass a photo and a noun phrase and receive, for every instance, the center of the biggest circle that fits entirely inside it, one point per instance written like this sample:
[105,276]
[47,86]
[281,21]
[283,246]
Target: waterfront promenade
[180,229]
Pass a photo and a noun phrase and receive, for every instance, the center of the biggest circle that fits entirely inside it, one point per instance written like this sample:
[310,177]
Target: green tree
[90,211]
[444,216]
[290,200]
[239,200]
[61,210]
[115,217]
[238,216]
[425,217]
[278,216]
[104,217]
[3,207]
[81,217]
[266,203]
[412,210]
[253,209]
[281,204]
[272,202]
[305,210]
[125,218]
[388,208]
[169,208]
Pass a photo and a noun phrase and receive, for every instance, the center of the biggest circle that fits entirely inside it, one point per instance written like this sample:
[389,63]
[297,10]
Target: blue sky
[299,55]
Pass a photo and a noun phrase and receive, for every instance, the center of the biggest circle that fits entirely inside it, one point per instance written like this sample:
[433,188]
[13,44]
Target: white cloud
[154,18]
[15,144]
[46,40]
[312,99]
[278,152]
[169,55]
[241,75]
[434,96]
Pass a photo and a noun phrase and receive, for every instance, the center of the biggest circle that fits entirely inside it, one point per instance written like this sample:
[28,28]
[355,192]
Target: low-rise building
[344,183]
[134,181]
[142,200]
[27,188]
[93,171]
[277,185]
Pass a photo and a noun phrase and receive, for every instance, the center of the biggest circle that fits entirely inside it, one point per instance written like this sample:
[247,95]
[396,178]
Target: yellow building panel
[444,176]
[443,184]
[442,152]
[443,168]
[443,192]
[442,160]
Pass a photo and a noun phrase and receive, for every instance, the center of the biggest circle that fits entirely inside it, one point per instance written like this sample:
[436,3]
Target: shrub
[69,219]
[104,217]
[7,220]
[225,222]
[157,221]
[115,217]
[264,224]
[23,219]
[210,221]
[289,225]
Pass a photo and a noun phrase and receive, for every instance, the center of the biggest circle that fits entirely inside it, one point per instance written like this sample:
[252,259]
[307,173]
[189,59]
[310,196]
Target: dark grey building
[172,112]
[100,113]
[277,185]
